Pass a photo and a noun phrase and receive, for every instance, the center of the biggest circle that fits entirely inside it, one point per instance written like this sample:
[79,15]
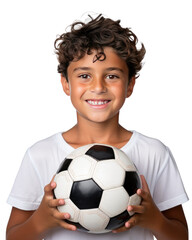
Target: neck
[98,132]
[86,132]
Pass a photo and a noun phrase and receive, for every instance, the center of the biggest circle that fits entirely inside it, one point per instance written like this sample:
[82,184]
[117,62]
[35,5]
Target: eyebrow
[81,68]
[115,69]
[107,69]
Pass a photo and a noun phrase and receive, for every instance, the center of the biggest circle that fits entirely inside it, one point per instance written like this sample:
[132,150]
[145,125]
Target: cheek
[120,91]
[76,92]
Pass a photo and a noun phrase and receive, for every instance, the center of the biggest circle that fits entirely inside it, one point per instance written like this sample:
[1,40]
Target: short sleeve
[169,189]
[27,190]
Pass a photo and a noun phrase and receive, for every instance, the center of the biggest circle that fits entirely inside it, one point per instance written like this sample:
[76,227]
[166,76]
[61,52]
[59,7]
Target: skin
[89,83]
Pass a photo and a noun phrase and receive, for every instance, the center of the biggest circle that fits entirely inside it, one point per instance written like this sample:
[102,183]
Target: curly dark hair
[97,34]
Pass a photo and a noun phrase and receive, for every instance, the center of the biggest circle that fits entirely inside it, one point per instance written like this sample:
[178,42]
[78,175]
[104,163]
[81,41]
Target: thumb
[49,187]
[144,184]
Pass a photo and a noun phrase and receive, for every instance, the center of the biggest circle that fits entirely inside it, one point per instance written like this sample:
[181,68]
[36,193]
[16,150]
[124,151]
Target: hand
[47,216]
[146,215]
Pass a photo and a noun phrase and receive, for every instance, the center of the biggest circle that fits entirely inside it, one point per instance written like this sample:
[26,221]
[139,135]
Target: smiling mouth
[97,102]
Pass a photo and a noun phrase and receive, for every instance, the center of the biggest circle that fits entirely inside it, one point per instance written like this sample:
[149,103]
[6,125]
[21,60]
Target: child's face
[98,89]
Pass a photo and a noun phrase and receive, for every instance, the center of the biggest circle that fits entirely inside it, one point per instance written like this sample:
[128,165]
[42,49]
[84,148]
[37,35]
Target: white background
[33,105]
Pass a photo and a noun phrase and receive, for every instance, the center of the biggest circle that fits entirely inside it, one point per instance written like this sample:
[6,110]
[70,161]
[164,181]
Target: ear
[65,85]
[130,86]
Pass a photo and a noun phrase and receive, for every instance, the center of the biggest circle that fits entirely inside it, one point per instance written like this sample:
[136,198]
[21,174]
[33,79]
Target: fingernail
[66,215]
[127,225]
[73,228]
[61,202]
[129,208]
[139,191]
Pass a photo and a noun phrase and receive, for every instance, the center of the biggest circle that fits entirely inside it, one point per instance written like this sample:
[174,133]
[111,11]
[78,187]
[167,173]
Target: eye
[84,76]
[112,76]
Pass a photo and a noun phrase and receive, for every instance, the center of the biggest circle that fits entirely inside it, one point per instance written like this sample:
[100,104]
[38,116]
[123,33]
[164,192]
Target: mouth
[98,103]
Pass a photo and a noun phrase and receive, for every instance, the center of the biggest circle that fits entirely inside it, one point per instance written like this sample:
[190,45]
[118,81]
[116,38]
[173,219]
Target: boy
[98,62]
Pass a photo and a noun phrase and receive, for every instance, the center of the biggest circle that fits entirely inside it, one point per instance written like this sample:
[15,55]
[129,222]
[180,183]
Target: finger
[60,215]
[56,202]
[136,209]
[132,222]
[121,229]
[144,195]
[68,226]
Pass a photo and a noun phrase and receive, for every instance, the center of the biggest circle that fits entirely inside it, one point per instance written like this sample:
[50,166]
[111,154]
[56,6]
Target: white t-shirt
[152,159]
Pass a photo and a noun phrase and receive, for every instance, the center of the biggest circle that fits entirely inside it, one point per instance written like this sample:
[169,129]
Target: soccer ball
[97,182]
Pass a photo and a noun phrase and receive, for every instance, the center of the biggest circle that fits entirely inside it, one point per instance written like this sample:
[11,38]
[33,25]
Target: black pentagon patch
[78,225]
[132,182]
[100,152]
[86,194]
[64,166]
[118,221]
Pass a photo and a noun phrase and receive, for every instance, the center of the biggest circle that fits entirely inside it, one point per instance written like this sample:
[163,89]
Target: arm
[173,225]
[21,225]
[34,225]
[166,225]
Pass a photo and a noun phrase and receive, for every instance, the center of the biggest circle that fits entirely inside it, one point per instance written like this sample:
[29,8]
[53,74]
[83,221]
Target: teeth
[97,102]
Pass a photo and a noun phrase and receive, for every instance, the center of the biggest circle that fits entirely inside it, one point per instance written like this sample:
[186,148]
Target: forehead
[111,60]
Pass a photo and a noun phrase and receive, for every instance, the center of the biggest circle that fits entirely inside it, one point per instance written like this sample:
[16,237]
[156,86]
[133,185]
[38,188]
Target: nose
[98,86]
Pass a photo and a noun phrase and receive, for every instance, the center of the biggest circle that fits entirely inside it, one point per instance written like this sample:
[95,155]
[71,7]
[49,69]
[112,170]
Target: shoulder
[150,145]
[45,145]
[46,155]
[48,141]
[149,154]
[48,150]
